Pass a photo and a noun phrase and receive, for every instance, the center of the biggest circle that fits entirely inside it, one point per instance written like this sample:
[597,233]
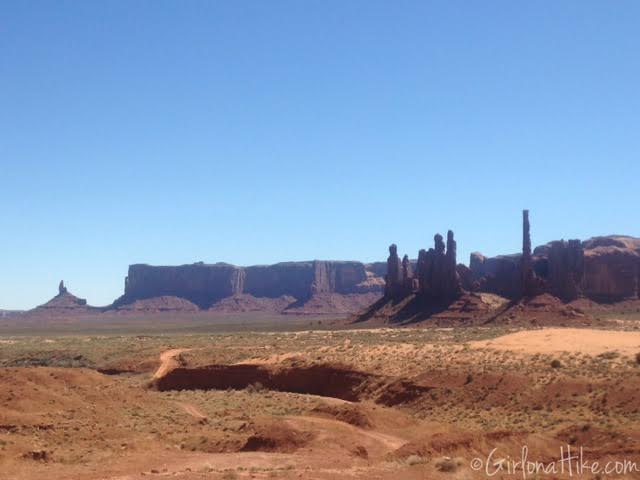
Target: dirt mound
[352,414]
[158,304]
[541,310]
[249,303]
[587,434]
[270,435]
[23,391]
[460,443]
[400,391]
[323,380]
[468,309]
[544,310]
[49,359]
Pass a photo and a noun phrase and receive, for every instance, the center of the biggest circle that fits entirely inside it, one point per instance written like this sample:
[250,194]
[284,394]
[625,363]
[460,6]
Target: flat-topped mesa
[207,284]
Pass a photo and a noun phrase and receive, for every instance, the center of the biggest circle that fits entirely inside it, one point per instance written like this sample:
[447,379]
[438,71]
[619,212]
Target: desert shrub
[414,460]
[638,358]
[446,464]
[555,363]
[609,355]
[255,387]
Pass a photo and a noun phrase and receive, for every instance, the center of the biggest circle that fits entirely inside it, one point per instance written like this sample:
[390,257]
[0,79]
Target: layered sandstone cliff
[604,269]
[207,284]
[611,268]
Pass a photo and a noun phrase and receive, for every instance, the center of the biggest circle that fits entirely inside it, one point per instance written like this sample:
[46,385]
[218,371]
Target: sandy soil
[382,404]
[555,340]
[168,361]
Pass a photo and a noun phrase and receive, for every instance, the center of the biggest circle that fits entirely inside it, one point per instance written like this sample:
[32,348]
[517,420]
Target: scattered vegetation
[447,464]
[472,387]
[415,460]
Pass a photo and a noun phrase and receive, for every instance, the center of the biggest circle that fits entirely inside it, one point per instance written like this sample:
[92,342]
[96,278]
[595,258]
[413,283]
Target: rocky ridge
[602,269]
[537,284]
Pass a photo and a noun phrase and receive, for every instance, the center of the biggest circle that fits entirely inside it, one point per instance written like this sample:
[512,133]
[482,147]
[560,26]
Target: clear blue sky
[264,131]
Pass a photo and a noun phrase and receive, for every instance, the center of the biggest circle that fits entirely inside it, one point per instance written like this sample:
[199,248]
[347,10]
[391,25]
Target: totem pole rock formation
[452,280]
[603,269]
[436,275]
[423,268]
[527,278]
[557,268]
[435,266]
[61,288]
[393,278]
[407,273]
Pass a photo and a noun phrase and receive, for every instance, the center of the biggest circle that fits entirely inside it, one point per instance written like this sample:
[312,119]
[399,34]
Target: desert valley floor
[317,399]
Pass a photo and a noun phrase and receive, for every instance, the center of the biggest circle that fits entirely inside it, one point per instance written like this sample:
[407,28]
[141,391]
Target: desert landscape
[318,403]
[319,240]
[495,370]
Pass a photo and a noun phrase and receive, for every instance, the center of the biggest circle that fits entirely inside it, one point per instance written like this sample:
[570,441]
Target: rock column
[407,273]
[394,273]
[437,273]
[527,276]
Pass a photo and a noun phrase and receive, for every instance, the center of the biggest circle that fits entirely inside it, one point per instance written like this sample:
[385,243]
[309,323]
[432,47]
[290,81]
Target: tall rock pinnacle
[526,267]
